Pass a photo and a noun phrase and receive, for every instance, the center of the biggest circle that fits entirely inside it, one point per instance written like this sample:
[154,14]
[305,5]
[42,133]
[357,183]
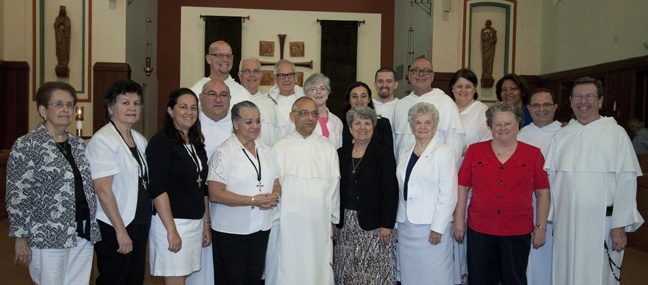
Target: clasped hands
[266,201]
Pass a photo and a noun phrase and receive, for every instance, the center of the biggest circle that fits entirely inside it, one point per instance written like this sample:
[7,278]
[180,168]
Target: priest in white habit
[449,129]
[300,249]
[542,107]
[593,173]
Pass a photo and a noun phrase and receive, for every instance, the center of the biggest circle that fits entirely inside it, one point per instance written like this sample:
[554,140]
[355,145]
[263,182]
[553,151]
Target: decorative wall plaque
[297,49]
[266,48]
[267,77]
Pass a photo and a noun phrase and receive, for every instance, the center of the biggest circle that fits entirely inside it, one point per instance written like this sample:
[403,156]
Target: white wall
[584,33]
[263,25]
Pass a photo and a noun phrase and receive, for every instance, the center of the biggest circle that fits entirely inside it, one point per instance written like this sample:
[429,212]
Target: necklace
[194,157]
[464,108]
[258,171]
[62,148]
[355,166]
[141,162]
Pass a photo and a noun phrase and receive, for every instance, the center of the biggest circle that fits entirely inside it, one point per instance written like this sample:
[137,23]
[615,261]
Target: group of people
[240,186]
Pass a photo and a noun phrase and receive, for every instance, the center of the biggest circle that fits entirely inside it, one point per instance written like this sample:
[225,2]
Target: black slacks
[239,259]
[117,268]
[494,259]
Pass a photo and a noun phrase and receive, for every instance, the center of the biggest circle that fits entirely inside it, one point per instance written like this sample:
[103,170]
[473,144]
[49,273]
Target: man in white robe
[386,84]
[220,60]
[284,93]
[593,173]
[300,249]
[542,106]
[250,75]
[216,126]
[449,130]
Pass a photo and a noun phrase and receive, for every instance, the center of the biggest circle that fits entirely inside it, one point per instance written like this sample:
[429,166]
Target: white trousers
[67,266]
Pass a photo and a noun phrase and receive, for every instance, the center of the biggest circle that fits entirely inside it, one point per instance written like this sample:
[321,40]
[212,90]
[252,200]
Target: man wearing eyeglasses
[300,248]
[593,173]
[449,129]
[284,92]
[220,60]
[543,106]
[250,75]
[216,126]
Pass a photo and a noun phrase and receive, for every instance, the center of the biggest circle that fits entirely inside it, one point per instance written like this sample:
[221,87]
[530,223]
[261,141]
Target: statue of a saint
[62,31]
[489,39]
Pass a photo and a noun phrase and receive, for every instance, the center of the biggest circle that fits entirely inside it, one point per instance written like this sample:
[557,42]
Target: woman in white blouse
[318,87]
[243,182]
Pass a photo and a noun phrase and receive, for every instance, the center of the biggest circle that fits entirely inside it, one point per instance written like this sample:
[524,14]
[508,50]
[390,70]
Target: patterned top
[40,191]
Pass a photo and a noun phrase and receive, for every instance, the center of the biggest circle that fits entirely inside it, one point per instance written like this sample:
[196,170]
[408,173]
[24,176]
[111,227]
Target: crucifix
[282,42]
[199,180]
[259,185]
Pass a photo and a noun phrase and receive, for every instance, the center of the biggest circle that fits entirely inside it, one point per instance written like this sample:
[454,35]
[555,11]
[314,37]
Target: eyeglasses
[222,55]
[417,70]
[248,71]
[284,75]
[315,89]
[61,105]
[546,105]
[305,113]
[215,95]
[589,97]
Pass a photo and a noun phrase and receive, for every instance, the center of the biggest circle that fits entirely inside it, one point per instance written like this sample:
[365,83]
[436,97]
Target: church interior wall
[548,32]
[583,33]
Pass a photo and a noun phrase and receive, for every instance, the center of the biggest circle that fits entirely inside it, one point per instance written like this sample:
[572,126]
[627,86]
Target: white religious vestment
[449,128]
[284,104]
[237,92]
[300,248]
[473,120]
[539,266]
[590,167]
[386,110]
[269,132]
[215,134]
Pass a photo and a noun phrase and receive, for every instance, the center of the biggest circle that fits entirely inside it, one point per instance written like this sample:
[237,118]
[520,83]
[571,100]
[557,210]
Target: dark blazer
[382,133]
[376,185]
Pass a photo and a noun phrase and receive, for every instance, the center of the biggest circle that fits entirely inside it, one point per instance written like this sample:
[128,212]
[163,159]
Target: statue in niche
[62,31]
[489,40]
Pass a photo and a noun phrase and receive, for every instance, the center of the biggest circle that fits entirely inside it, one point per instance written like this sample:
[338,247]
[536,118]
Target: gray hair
[316,78]
[283,61]
[504,107]
[361,112]
[421,109]
[256,60]
[236,109]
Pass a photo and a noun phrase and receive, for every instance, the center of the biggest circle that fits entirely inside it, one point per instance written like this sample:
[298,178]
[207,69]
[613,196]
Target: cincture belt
[608,211]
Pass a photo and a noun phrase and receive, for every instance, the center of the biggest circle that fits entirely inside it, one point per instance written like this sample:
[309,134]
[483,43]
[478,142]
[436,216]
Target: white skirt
[166,263]
[420,261]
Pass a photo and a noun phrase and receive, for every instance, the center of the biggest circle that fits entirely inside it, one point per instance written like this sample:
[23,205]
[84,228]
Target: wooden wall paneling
[441,81]
[105,74]
[14,102]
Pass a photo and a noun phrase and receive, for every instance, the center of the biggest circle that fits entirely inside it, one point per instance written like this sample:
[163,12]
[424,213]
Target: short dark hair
[467,74]
[589,80]
[546,90]
[120,87]
[44,93]
[347,96]
[519,81]
[385,69]
[195,134]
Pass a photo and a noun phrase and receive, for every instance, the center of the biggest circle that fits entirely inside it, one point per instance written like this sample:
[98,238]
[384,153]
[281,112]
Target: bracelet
[252,204]
[207,223]
[541,227]
[278,196]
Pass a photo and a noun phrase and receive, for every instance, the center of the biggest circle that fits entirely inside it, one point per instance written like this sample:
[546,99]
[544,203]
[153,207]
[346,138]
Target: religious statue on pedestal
[489,39]
[62,31]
